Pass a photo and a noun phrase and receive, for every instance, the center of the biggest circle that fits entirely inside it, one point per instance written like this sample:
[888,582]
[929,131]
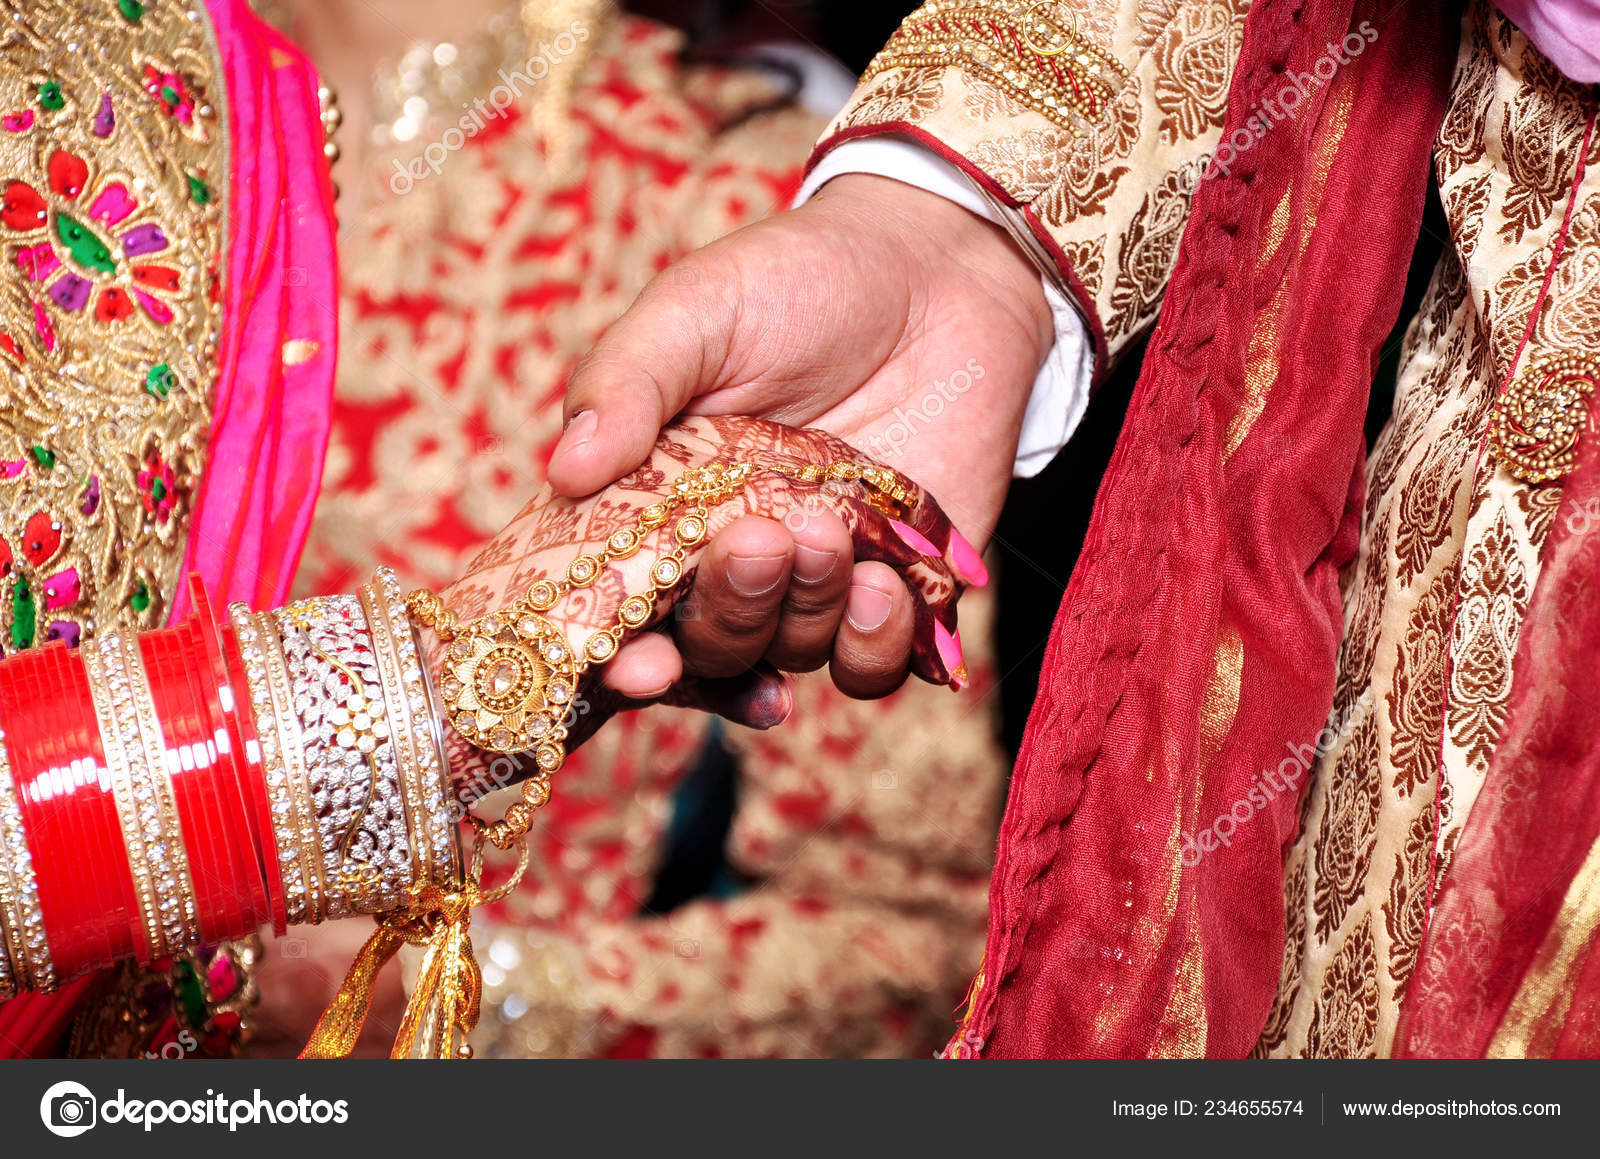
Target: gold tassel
[449,991]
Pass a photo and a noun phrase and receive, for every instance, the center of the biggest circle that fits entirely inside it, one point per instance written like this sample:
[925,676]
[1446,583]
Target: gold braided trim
[1032,49]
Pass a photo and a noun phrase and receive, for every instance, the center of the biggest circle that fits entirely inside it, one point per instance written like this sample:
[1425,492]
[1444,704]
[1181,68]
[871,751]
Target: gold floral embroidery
[1042,167]
[1294,902]
[908,96]
[1033,51]
[1488,620]
[1150,247]
[115,176]
[1086,258]
[1406,913]
[1460,140]
[1419,687]
[1343,848]
[1541,142]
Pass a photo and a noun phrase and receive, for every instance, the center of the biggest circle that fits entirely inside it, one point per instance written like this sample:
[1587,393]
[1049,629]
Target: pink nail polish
[949,645]
[966,560]
[915,538]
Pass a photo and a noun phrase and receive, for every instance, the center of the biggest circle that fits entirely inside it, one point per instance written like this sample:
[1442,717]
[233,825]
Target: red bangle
[211,877]
[232,724]
[103,860]
[62,793]
[235,848]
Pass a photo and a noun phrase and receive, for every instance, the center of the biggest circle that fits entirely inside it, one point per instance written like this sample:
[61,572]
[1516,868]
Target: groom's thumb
[665,350]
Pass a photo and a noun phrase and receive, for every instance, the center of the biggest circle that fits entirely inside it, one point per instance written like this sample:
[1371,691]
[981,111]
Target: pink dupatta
[275,369]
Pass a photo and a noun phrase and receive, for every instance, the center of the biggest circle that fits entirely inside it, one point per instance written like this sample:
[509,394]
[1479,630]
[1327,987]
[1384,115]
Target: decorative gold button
[1537,422]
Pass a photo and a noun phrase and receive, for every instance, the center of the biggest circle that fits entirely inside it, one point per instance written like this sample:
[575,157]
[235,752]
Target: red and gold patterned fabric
[467,300]
[1421,757]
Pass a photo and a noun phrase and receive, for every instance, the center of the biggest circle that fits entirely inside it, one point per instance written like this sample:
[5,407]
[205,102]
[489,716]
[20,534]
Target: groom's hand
[883,314]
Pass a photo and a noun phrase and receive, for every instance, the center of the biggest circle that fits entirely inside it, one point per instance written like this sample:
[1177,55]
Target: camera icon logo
[68,1109]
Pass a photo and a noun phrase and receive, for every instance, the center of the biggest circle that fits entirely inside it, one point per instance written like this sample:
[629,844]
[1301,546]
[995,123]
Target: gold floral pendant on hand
[508,683]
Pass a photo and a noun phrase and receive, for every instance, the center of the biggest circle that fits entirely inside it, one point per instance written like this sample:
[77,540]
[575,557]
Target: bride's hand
[907,555]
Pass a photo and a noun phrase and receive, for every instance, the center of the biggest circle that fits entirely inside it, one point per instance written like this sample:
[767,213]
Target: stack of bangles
[174,788]
[166,789]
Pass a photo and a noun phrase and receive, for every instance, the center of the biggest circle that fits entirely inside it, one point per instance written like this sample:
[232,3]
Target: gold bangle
[177,909]
[25,962]
[115,742]
[365,843]
[424,771]
[142,820]
[510,677]
[278,734]
[399,711]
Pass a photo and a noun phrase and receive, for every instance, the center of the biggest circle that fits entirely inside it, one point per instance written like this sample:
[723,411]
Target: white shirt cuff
[1061,388]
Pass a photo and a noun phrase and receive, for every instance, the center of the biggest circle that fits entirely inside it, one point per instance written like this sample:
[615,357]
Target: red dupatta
[1191,665]
[273,394]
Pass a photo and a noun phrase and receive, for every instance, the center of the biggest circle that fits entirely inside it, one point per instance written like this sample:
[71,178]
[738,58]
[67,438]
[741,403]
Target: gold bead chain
[509,678]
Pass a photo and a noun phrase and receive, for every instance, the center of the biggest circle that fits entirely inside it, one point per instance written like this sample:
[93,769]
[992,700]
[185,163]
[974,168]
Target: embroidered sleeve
[1091,120]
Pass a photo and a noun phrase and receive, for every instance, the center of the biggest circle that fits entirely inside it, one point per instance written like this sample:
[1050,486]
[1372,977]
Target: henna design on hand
[552,530]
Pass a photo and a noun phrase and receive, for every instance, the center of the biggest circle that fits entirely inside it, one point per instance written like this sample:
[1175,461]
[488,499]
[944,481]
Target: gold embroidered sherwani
[1099,147]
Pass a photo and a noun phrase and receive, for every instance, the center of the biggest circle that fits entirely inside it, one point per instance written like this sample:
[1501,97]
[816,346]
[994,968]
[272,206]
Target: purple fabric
[1566,31]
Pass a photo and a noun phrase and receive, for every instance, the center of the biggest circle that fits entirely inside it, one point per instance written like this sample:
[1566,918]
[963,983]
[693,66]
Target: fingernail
[867,608]
[579,429]
[812,566]
[966,560]
[752,575]
[949,645]
[917,540]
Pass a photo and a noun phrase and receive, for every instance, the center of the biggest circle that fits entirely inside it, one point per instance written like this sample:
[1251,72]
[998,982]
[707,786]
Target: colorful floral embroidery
[110,243]
[171,92]
[31,597]
[66,252]
[158,486]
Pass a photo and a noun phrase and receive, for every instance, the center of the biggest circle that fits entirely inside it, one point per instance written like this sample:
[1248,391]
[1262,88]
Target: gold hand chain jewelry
[509,678]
